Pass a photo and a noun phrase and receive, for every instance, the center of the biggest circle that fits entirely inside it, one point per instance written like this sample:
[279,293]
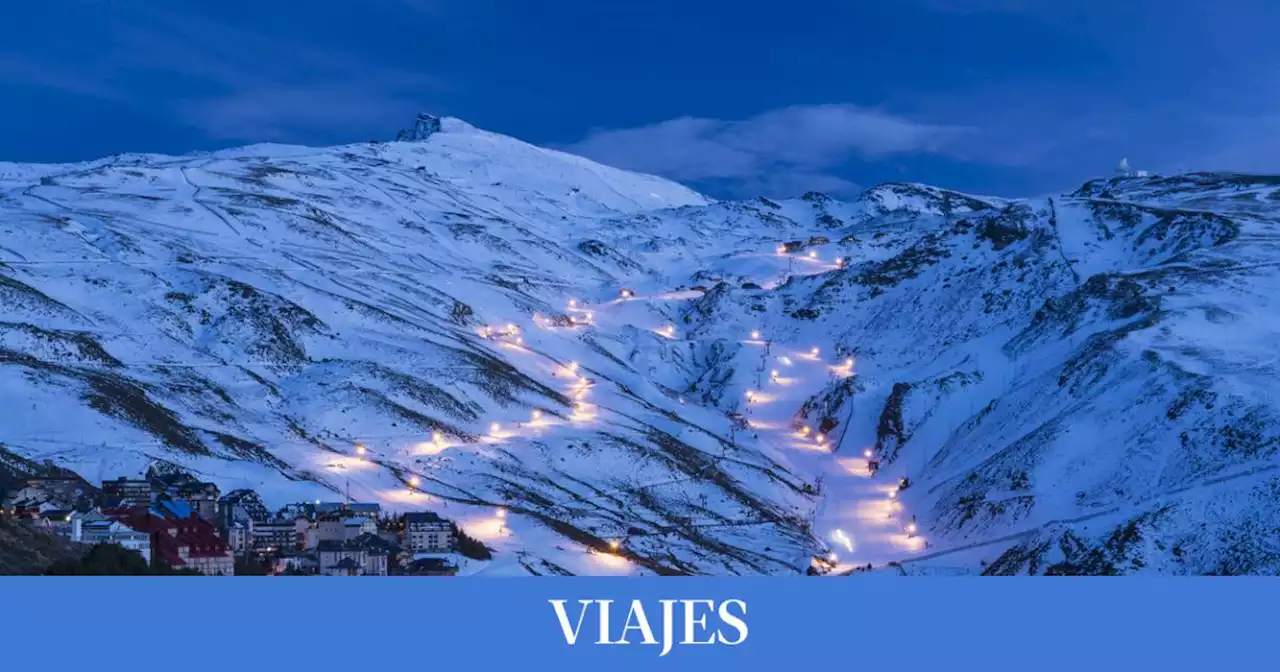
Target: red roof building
[184,543]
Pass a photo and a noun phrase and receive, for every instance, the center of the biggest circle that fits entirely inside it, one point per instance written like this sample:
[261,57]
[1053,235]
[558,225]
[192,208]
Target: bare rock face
[424,127]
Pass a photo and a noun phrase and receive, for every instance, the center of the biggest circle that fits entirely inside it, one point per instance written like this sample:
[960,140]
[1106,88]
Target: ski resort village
[458,353]
[174,521]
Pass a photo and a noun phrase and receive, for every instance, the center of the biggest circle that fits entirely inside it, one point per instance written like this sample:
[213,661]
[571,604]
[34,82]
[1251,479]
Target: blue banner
[875,623]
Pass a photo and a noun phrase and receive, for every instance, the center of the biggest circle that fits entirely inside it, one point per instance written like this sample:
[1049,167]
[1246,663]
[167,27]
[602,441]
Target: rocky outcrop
[424,127]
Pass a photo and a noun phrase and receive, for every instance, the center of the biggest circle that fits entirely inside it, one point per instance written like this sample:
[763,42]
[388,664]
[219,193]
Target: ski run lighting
[579,386]
[505,330]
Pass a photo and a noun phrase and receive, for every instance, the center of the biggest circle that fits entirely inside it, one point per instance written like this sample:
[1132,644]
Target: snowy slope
[299,320]
[1079,384]
[303,320]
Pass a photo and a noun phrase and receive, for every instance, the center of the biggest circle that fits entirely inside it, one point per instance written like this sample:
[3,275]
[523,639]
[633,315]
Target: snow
[253,315]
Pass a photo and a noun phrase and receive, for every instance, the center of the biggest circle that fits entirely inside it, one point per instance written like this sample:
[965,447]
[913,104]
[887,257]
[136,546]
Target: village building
[190,543]
[367,555]
[56,521]
[347,566]
[389,535]
[336,528]
[278,535]
[430,567]
[426,532]
[31,509]
[355,527]
[241,506]
[32,497]
[124,493]
[238,537]
[181,486]
[202,497]
[78,520]
[172,509]
[347,509]
[67,491]
[294,561]
[109,531]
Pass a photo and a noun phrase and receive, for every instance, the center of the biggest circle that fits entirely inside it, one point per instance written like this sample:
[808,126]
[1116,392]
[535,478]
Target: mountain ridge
[253,315]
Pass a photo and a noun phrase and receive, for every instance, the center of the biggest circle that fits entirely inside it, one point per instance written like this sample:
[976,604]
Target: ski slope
[553,353]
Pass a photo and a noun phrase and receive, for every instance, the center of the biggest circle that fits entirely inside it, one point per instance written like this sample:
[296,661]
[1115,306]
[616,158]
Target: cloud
[283,113]
[69,80]
[270,87]
[1247,143]
[794,148]
[233,81]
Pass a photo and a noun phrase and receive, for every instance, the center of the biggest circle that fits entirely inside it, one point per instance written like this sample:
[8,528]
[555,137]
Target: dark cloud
[792,149]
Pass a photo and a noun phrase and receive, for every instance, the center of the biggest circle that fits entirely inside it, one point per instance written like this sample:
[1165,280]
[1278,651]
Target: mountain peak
[424,126]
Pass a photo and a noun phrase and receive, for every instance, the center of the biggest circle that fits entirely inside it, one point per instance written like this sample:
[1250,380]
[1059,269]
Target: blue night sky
[1009,97]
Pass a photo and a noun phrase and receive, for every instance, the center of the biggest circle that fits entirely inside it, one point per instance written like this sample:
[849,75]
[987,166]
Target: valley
[607,373]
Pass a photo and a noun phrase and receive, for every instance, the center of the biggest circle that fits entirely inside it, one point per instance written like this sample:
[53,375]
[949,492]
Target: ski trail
[195,198]
[859,518]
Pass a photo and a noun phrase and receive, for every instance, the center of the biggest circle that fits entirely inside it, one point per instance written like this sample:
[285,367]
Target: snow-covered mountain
[596,371]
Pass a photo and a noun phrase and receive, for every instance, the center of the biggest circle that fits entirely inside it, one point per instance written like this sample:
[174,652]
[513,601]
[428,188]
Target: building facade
[241,506]
[334,528]
[124,493]
[188,543]
[66,491]
[277,535]
[202,497]
[346,509]
[107,531]
[238,536]
[427,532]
[367,555]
